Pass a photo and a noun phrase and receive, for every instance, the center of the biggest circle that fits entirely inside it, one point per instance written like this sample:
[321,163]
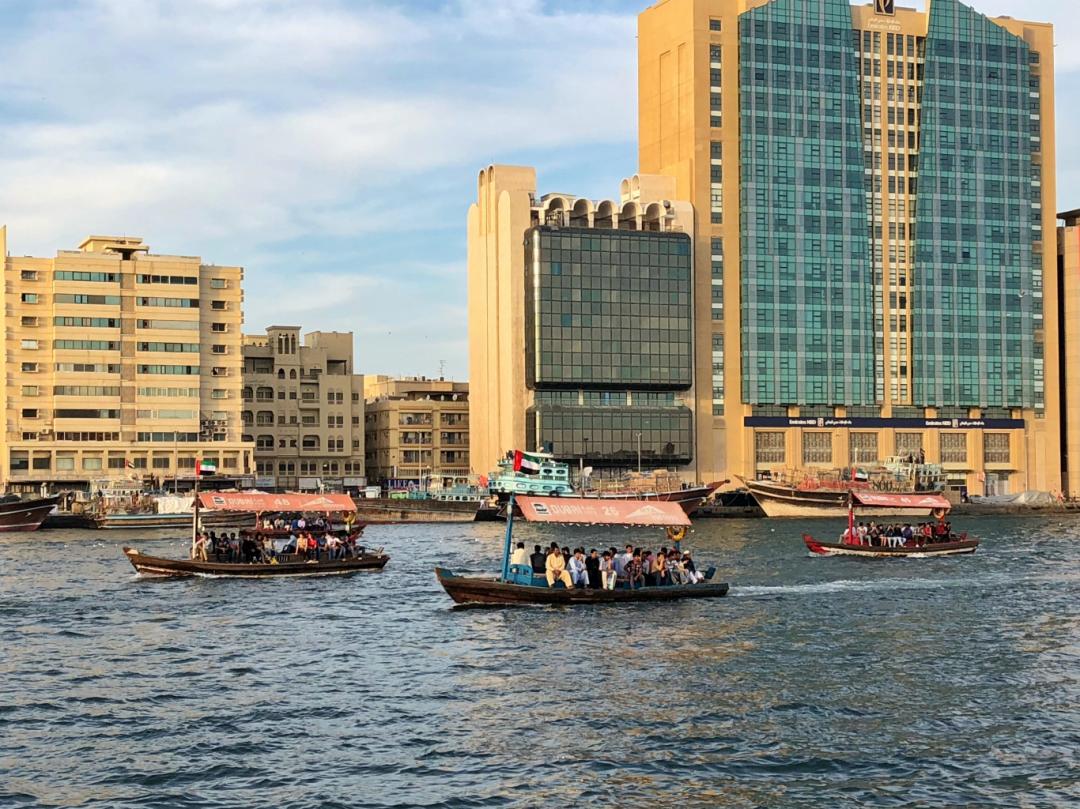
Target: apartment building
[303,408]
[417,431]
[874,188]
[119,365]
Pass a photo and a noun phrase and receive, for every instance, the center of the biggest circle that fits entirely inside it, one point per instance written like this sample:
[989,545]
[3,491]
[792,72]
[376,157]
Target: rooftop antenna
[442,370]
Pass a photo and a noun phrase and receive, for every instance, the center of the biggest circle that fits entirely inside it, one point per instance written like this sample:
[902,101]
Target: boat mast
[509,537]
[851,496]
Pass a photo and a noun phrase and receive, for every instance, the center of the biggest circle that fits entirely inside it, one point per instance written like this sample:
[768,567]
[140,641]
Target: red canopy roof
[926,501]
[598,511]
[259,501]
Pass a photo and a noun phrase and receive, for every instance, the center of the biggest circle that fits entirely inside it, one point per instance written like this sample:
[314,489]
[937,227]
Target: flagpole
[195,521]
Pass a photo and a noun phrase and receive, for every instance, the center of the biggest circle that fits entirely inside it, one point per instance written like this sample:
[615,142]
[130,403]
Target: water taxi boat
[517,584]
[17,514]
[895,547]
[286,564]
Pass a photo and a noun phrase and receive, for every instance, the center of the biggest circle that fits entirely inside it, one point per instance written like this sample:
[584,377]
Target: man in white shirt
[621,561]
[579,574]
[519,557]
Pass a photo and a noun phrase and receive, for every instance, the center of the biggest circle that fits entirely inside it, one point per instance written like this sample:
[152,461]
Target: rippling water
[818,682]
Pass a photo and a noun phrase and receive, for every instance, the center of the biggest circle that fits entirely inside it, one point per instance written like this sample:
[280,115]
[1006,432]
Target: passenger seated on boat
[688,563]
[647,567]
[538,560]
[555,569]
[661,575]
[632,569]
[578,573]
[607,571]
[592,569]
[848,537]
[518,557]
[199,553]
[618,561]
[333,547]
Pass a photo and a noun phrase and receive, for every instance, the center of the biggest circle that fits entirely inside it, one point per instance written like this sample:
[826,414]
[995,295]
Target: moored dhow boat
[280,564]
[938,541]
[518,584]
[17,514]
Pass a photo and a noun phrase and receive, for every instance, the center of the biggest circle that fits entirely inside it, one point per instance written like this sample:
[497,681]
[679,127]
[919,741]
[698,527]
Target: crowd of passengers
[897,535]
[598,570]
[299,545]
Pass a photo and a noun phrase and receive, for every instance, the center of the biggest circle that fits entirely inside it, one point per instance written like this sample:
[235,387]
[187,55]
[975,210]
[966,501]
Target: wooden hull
[26,515]
[392,510]
[956,548]
[157,566]
[785,501]
[475,591]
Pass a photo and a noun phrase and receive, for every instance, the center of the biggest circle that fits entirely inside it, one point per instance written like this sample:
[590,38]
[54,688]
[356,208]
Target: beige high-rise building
[581,324]
[304,409]
[874,189]
[119,365]
[1068,274]
[417,431]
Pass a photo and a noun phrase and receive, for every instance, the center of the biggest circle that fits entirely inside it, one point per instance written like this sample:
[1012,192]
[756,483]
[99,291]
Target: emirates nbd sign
[885,7]
[917,424]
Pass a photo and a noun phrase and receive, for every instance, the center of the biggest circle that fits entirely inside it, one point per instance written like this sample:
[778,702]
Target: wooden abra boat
[293,566]
[518,585]
[902,504]
[286,565]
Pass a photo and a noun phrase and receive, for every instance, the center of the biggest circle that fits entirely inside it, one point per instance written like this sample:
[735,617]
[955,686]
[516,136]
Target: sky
[331,147]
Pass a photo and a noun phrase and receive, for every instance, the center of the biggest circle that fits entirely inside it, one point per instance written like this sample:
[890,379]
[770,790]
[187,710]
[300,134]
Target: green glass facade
[807,285]
[977,287]
[608,326]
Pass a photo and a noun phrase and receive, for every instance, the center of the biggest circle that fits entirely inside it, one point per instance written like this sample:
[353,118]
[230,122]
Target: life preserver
[939,514]
[676,533]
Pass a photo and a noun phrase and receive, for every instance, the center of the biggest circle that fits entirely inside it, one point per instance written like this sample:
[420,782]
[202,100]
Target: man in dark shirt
[592,566]
[538,560]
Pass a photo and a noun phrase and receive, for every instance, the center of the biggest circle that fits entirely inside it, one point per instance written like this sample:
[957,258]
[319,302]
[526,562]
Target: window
[218,283]
[31,344]
[769,447]
[138,463]
[189,370]
[85,413]
[29,275]
[30,413]
[864,447]
[218,305]
[30,390]
[87,345]
[117,462]
[714,24]
[87,368]
[161,463]
[173,348]
[88,322]
[95,300]
[954,448]
[69,275]
[996,448]
[172,303]
[86,390]
[189,280]
[219,349]
[186,325]
[91,463]
[30,367]
[219,327]
[65,463]
[29,321]
[219,393]
[817,448]
[909,443]
[29,297]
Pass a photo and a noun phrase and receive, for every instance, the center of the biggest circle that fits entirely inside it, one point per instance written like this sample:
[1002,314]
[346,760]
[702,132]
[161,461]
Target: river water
[817,682]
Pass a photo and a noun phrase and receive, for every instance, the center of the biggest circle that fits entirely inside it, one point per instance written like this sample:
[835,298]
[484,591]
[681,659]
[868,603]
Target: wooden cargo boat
[900,504]
[17,514]
[517,584]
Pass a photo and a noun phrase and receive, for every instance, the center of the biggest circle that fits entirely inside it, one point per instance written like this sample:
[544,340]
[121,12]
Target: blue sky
[332,147]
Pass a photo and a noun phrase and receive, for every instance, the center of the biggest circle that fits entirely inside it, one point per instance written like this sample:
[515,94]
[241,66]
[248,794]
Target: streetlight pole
[639,453]
[581,460]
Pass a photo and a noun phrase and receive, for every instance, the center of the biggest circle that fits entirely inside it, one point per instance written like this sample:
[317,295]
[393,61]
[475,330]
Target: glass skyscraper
[872,185]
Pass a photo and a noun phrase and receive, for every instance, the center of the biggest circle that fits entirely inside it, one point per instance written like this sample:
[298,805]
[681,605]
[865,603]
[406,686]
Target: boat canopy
[260,501]
[601,511]
[887,500]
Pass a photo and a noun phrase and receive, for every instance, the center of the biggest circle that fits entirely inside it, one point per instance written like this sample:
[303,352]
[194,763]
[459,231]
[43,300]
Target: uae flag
[525,463]
[204,468]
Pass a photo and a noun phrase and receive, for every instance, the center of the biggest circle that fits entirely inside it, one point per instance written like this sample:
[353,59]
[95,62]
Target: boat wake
[845,585]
